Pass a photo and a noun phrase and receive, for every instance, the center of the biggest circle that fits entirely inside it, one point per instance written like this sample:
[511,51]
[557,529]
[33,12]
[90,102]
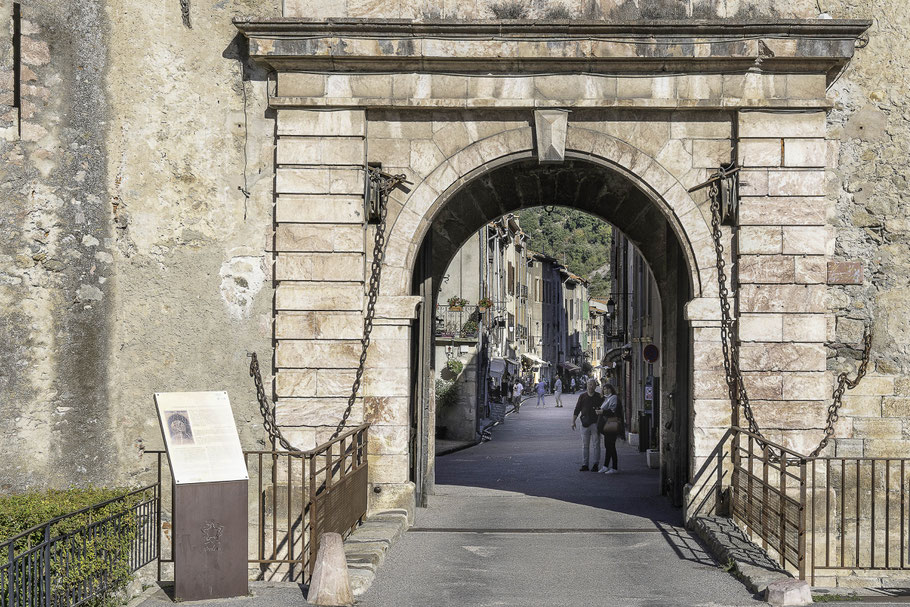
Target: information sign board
[201,437]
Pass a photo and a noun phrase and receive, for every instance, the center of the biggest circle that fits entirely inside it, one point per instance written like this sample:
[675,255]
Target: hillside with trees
[576,239]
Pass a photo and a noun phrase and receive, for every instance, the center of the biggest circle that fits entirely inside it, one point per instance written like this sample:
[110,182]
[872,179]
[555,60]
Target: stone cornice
[820,46]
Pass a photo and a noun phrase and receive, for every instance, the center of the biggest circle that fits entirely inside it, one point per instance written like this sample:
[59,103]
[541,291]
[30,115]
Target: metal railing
[77,557]
[295,497]
[462,322]
[822,516]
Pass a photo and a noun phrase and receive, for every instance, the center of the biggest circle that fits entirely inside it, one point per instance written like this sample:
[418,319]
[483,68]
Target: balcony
[455,323]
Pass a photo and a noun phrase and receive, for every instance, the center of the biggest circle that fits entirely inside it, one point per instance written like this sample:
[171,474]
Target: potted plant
[469,329]
[484,304]
[454,367]
[457,303]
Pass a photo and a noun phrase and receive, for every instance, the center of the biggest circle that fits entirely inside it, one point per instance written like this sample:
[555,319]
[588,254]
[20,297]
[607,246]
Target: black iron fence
[822,517]
[72,559]
[294,497]
[462,322]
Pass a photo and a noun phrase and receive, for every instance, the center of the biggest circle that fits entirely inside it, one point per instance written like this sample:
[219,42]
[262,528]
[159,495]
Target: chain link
[384,184]
[185,12]
[735,384]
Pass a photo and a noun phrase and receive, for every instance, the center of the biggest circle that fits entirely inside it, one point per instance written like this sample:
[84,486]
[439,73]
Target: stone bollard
[330,585]
[784,593]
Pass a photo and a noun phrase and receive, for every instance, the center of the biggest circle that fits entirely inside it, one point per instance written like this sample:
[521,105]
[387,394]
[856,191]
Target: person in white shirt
[558,391]
[516,395]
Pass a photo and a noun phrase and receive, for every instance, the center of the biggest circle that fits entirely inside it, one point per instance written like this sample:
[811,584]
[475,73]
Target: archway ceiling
[523,184]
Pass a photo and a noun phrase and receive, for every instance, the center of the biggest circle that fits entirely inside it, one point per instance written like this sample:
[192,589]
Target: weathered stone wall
[869,134]
[130,259]
[614,10]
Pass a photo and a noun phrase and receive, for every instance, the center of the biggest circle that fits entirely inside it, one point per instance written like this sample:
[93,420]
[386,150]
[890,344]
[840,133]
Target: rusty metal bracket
[726,180]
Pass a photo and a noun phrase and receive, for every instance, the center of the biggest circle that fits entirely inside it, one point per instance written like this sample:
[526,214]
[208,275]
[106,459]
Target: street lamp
[611,307]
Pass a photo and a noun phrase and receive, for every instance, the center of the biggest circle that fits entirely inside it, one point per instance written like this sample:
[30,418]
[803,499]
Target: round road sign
[651,353]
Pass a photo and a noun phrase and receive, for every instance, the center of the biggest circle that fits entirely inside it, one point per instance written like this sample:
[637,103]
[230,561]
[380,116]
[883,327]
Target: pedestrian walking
[572,386]
[610,425]
[516,395]
[586,410]
[541,391]
[558,391]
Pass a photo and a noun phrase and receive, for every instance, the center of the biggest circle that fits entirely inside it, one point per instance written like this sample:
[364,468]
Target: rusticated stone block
[321,150]
[807,210]
[805,327]
[295,382]
[807,386]
[845,273]
[767,269]
[782,357]
[895,406]
[319,238]
[782,298]
[810,270]
[759,240]
[312,180]
[299,296]
[796,182]
[319,209]
[386,410]
[807,240]
[389,468]
[316,411]
[781,124]
[761,327]
[805,152]
[323,267]
[327,123]
[877,428]
[318,325]
[759,152]
[318,354]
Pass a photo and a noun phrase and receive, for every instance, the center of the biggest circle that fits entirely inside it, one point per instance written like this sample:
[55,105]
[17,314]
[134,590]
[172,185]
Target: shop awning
[535,359]
[615,354]
[497,368]
[570,367]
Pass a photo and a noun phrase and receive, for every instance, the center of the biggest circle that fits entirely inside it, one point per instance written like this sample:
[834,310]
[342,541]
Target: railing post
[46,566]
[734,481]
[158,522]
[803,493]
[310,459]
[11,553]
[782,502]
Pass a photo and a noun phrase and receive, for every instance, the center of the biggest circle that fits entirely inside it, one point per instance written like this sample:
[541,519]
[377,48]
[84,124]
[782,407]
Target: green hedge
[101,556]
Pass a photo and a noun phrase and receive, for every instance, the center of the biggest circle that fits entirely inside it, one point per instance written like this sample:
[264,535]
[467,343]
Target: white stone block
[782,124]
[319,209]
[759,152]
[329,123]
[805,153]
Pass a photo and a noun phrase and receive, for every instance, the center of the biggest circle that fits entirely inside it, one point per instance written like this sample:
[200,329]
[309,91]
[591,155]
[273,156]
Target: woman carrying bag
[609,423]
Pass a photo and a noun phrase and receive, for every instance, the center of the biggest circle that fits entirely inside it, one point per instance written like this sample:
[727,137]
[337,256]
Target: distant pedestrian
[572,386]
[610,425]
[558,391]
[586,409]
[516,395]
[541,391]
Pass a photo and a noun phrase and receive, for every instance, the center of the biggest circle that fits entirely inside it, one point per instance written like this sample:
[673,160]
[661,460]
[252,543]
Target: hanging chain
[730,347]
[384,184]
[266,408]
[185,11]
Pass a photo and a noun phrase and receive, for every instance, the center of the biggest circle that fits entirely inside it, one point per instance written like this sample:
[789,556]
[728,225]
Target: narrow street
[513,522]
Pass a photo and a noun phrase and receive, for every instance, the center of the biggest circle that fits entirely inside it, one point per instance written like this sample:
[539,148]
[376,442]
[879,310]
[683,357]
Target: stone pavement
[514,522]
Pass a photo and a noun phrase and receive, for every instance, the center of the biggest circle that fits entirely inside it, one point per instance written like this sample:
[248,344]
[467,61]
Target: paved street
[514,522]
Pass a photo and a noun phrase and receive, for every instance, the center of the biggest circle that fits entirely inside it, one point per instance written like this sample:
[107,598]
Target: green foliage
[93,558]
[446,394]
[457,302]
[833,597]
[455,366]
[576,239]
[586,368]
[469,328]
[485,302]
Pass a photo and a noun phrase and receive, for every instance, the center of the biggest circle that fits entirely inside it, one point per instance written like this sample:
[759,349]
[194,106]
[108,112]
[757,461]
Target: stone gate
[647,111]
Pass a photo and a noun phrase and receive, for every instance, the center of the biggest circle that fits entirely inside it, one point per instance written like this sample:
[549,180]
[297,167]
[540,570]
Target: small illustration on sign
[179,428]
[211,536]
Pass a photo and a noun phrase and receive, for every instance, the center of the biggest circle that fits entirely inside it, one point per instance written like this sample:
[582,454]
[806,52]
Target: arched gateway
[631,117]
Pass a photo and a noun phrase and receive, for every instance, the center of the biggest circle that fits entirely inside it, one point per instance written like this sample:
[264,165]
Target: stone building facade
[175,201]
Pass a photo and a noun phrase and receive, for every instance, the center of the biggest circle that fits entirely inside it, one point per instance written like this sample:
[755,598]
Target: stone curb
[729,546]
[367,545]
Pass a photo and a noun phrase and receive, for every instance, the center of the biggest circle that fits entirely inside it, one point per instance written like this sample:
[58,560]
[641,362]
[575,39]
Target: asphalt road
[514,522]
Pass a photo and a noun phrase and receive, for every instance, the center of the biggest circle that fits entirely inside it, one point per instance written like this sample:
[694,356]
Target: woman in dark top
[610,423]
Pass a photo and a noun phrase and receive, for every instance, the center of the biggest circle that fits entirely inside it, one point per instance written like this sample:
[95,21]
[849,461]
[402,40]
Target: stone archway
[437,101]
[485,186]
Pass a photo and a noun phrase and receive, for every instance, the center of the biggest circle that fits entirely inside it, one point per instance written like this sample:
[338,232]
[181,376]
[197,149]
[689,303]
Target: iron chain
[384,183]
[735,384]
[185,12]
